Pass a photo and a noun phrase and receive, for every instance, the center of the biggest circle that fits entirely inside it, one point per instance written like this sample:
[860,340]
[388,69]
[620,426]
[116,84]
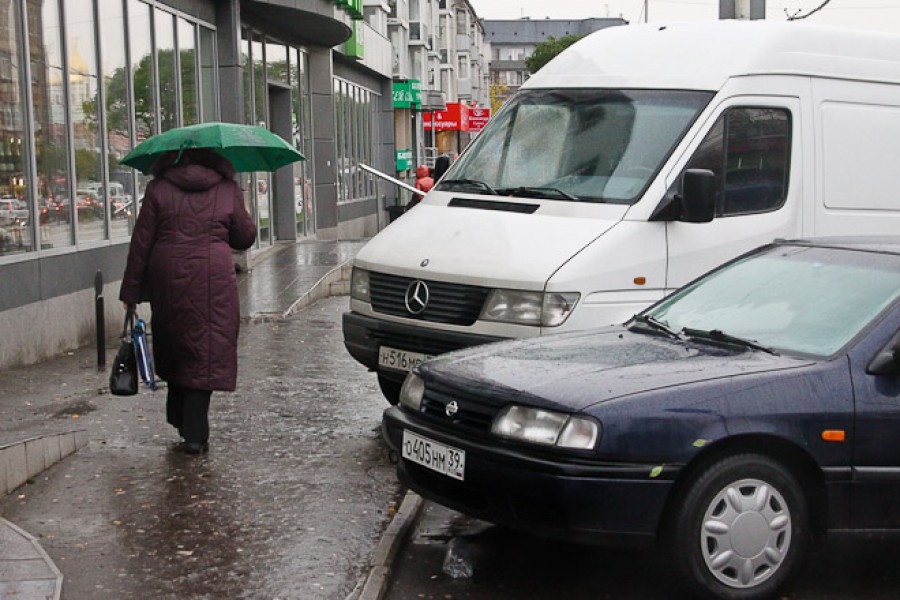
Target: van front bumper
[364,335]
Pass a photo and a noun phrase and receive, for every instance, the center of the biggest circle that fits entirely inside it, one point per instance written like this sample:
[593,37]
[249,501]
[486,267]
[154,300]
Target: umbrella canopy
[248,147]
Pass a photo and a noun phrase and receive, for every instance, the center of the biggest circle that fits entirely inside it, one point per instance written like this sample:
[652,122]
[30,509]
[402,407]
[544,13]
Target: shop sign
[407,94]
[354,7]
[404,160]
[354,46]
[478,118]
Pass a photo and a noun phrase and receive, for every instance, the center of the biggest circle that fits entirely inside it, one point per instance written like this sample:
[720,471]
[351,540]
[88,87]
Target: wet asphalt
[290,502]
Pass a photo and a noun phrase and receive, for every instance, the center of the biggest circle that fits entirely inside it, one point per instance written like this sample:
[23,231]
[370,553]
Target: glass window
[794,299]
[88,203]
[168,79]
[187,58]
[144,89]
[16,211]
[260,103]
[277,67]
[51,133]
[748,151]
[596,145]
[302,134]
[118,115]
[208,84]
[248,77]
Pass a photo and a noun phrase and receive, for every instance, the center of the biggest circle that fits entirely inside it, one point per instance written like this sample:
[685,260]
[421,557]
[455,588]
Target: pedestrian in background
[424,183]
[441,164]
[192,216]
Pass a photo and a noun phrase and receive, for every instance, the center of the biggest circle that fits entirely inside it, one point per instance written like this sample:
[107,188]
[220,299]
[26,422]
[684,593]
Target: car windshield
[794,299]
[576,145]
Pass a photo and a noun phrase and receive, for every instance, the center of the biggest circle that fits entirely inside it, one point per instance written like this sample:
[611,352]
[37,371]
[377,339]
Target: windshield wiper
[537,192]
[718,335]
[656,325]
[470,182]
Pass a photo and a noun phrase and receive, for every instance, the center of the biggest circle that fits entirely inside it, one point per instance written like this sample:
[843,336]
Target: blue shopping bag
[142,353]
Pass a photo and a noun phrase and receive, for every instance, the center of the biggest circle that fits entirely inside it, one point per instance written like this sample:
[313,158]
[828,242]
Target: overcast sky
[882,15]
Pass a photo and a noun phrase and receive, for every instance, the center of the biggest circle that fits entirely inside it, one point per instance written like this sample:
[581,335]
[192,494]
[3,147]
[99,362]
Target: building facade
[83,81]
[439,58]
[512,41]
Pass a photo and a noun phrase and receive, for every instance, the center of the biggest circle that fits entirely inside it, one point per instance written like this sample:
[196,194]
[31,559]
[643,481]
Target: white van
[635,161]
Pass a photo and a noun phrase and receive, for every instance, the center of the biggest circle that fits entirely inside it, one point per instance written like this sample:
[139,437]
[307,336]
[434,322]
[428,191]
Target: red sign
[458,117]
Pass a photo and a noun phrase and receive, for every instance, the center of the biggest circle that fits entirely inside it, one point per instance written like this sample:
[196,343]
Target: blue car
[733,424]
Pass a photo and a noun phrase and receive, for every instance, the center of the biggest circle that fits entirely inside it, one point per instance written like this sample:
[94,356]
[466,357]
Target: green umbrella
[248,147]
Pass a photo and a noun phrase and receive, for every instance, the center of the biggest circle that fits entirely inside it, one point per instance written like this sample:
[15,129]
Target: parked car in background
[731,424]
[13,211]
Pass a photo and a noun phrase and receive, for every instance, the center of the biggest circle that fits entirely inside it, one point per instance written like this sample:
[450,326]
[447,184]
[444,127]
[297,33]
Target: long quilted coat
[180,260]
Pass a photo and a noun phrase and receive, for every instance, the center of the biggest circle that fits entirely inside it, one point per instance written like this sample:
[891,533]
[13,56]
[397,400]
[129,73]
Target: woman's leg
[175,407]
[195,424]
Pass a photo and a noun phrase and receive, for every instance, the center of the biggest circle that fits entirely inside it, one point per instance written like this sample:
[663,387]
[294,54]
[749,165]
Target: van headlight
[546,427]
[412,392]
[546,309]
[359,285]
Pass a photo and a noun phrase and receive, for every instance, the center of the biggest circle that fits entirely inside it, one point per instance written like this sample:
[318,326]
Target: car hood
[576,370]
[442,241]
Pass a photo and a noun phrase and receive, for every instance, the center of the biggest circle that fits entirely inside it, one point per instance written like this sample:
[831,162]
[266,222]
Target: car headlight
[359,285]
[546,309]
[412,391]
[546,427]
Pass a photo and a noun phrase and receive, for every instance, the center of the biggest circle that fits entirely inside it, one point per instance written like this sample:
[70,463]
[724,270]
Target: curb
[29,573]
[376,581]
[334,283]
[25,459]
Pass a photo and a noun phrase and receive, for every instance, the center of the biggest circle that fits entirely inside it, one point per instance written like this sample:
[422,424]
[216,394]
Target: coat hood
[192,178]
[422,171]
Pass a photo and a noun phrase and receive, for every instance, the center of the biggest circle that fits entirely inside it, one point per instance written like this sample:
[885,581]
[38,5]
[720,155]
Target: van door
[750,148]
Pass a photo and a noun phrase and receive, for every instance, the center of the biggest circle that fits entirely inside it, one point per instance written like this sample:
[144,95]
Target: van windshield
[576,145]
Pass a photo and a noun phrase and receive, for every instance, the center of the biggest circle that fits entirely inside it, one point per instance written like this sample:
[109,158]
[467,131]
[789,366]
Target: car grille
[473,414]
[449,303]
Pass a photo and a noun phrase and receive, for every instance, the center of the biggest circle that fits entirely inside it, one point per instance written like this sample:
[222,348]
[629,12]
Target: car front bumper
[364,335]
[605,503]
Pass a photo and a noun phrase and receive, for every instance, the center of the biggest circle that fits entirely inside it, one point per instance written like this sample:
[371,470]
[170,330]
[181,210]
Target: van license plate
[400,360]
[444,459]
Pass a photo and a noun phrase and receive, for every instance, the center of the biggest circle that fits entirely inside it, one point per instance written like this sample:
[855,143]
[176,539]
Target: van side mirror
[887,361]
[698,196]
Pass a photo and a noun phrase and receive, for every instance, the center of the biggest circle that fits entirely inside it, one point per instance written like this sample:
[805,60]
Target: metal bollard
[101,322]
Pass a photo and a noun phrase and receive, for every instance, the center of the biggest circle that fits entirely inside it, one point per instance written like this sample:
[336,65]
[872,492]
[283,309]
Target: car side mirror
[887,361]
[698,196]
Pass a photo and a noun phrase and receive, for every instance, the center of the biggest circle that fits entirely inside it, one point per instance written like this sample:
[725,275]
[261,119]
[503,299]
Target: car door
[750,149]
[875,495]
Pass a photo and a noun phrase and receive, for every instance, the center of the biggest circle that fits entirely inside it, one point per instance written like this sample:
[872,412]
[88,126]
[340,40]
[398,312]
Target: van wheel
[739,529]
[390,388]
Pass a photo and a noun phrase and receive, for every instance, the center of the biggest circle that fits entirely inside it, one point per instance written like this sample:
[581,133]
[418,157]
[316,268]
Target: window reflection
[50,132]
[208,84]
[165,59]
[83,93]
[16,212]
[188,62]
[142,80]
[119,193]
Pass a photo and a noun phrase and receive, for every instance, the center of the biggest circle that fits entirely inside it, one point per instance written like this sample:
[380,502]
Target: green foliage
[547,50]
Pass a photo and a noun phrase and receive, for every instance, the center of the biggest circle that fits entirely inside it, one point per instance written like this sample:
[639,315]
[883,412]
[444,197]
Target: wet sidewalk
[47,407]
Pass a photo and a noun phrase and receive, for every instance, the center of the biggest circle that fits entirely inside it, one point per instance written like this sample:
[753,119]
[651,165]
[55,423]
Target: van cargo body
[635,161]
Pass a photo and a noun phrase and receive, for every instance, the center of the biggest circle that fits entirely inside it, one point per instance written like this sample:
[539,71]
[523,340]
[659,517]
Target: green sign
[354,7]
[404,160]
[407,94]
[354,46]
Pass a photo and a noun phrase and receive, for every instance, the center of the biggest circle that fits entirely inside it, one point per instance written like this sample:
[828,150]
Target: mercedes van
[638,159]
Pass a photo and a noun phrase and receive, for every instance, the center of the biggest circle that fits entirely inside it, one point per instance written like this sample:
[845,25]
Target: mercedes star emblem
[416,298]
[451,409]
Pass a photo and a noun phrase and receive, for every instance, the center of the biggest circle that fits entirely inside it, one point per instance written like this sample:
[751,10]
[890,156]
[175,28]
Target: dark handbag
[123,377]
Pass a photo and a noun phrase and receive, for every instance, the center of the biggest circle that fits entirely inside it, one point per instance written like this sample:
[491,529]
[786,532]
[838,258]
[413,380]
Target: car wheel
[390,388]
[739,529]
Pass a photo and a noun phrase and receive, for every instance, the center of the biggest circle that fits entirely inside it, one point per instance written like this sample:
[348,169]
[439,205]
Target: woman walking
[192,216]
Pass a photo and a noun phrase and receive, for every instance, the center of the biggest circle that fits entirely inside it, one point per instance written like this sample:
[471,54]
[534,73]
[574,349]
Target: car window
[793,298]
[748,150]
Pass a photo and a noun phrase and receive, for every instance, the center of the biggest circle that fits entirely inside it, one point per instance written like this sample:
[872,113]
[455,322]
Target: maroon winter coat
[180,260]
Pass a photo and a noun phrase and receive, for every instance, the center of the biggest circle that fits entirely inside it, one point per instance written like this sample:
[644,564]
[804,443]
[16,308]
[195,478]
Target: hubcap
[746,533]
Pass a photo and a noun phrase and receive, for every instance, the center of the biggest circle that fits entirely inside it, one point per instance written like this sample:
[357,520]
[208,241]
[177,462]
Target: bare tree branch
[797,16]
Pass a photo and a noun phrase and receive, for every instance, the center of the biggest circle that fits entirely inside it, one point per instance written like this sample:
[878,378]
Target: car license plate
[400,360]
[444,459]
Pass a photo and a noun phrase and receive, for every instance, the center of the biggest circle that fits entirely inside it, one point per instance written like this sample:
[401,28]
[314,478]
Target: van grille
[448,303]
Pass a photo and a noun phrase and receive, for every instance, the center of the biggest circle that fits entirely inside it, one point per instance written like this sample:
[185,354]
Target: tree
[547,50]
